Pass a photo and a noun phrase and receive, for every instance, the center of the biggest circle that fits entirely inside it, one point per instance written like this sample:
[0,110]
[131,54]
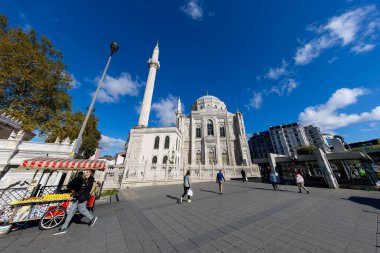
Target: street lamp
[114,47]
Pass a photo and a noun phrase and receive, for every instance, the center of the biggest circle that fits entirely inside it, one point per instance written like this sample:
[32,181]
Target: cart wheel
[52,218]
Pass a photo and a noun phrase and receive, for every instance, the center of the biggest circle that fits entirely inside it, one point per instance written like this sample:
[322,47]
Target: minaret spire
[179,107]
[154,65]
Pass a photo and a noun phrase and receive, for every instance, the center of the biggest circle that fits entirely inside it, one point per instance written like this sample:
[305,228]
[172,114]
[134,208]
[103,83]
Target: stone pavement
[247,218]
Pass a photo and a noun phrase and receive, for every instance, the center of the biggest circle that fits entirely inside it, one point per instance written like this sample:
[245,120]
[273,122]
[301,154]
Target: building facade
[206,139]
[260,145]
[285,139]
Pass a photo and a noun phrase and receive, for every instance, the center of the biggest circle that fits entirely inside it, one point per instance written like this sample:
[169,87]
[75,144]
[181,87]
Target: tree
[306,150]
[34,88]
[33,80]
[68,124]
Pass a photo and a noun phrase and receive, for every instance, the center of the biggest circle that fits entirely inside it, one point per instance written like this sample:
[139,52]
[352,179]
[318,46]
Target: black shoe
[299,192]
[92,222]
[308,192]
[60,232]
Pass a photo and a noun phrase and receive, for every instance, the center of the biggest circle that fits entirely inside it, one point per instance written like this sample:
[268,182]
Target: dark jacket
[84,192]
[75,184]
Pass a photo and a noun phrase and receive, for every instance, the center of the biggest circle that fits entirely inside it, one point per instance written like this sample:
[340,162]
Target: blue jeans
[82,208]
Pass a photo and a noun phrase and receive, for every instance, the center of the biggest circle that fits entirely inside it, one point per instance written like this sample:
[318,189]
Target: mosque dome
[208,102]
[208,97]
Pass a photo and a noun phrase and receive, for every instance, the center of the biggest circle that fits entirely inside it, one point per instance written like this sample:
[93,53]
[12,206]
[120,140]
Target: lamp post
[114,47]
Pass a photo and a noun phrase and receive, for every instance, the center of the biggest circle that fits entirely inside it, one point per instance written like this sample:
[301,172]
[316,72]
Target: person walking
[79,200]
[273,180]
[220,180]
[186,187]
[300,182]
[244,176]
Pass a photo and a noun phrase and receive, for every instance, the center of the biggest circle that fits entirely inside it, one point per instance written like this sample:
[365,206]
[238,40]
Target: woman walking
[300,182]
[273,180]
[186,187]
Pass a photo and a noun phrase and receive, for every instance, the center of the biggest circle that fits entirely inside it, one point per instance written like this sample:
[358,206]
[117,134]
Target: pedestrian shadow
[373,202]
[264,189]
[172,197]
[209,191]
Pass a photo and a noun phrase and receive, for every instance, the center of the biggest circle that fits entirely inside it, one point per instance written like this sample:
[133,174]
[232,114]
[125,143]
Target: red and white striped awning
[62,164]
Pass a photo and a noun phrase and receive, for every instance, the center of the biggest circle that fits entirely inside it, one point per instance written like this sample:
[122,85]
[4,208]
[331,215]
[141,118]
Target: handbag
[190,192]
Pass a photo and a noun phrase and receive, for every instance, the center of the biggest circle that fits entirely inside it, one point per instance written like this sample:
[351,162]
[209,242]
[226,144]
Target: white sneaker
[180,200]
[189,201]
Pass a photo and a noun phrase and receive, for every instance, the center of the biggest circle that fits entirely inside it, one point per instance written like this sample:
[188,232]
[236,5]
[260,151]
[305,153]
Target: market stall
[49,209]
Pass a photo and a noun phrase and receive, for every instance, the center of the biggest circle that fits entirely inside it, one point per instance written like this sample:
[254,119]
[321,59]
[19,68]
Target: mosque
[208,137]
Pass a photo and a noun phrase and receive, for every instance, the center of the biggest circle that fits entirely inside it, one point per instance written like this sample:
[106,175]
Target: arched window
[198,132]
[222,131]
[210,128]
[167,141]
[198,157]
[156,142]
[165,160]
[154,162]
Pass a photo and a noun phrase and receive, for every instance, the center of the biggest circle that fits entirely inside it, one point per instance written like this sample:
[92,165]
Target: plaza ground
[247,218]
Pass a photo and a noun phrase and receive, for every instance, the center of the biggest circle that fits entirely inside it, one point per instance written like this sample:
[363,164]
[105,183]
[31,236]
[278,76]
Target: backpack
[95,189]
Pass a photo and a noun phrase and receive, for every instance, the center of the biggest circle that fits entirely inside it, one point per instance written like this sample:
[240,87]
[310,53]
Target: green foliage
[109,192]
[306,150]
[68,124]
[33,80]
[34,87]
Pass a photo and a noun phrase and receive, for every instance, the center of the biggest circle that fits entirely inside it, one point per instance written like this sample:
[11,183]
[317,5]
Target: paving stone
[146,220]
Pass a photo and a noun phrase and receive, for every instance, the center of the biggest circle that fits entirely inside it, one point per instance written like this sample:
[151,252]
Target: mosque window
[167,141]
[222,131]
[165,160]
[156,142]
[198,132]
[154,162]
[210,128]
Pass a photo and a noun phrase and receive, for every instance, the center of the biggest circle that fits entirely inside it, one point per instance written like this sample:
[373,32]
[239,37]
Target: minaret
[153,64]
[179,109]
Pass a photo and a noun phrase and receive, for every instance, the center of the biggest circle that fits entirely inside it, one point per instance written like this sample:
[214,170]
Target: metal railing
[9,194]
[148,172]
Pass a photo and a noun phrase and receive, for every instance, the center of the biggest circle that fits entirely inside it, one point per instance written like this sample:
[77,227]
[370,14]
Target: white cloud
[373,126]
[332,59]
[355,27]
[285,87]
[74,83]
[193,9]
[114,88]
[363,48]
[255,101]
[327,117]
[138,107]
[110,144]
[276,73]
[165,110]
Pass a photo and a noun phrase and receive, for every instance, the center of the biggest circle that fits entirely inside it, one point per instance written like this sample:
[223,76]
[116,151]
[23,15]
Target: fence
[170,172]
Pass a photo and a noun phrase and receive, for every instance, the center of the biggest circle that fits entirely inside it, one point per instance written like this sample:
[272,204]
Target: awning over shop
[62,164]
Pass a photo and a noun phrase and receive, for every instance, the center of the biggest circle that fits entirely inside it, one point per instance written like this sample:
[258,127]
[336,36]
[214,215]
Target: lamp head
[114,47]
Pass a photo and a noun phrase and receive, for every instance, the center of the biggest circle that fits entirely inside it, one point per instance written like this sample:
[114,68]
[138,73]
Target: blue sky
[316,62]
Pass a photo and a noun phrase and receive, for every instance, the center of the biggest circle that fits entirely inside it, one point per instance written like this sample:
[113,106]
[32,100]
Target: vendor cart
[49,209]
